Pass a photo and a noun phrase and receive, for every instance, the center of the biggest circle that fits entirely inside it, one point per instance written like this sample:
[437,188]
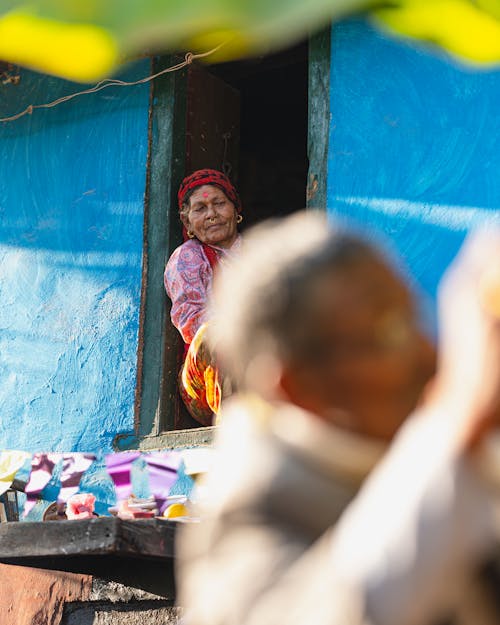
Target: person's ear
[185,219]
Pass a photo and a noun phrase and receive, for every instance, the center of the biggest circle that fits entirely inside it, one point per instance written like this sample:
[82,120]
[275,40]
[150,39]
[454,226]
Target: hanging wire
[113,82]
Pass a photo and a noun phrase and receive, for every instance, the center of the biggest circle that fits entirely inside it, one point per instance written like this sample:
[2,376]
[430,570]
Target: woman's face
[211,217]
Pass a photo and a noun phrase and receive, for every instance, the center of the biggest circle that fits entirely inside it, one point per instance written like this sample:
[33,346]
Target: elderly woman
[209,208]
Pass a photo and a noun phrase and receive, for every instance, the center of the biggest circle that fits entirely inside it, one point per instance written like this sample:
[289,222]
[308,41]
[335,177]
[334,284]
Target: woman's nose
[211,212]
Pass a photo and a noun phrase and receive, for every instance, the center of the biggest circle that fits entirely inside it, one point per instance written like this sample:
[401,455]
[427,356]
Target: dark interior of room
[272,169]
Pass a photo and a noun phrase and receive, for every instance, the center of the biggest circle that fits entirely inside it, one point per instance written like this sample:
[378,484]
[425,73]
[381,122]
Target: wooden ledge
[137,553]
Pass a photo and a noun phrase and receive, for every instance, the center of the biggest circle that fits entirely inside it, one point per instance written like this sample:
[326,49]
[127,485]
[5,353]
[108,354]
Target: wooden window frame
[158,352]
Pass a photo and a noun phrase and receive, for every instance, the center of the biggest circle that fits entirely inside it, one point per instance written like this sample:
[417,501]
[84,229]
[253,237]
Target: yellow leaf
[81,52]
[461,28]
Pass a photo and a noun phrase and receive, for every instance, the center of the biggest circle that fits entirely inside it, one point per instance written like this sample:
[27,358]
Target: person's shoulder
[189,253]
[236,246]
[241,443]
[188,248]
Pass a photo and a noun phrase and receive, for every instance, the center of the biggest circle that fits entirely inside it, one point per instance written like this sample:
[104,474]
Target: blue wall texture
[71,227]
[414,152]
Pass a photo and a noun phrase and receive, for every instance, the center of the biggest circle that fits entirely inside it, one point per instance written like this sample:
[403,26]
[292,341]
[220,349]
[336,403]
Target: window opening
[249,118]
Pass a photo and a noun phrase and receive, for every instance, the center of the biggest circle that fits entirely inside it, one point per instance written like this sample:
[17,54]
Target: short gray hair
[262,300]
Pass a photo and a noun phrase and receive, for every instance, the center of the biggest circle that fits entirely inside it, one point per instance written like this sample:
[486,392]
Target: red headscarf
[209,176]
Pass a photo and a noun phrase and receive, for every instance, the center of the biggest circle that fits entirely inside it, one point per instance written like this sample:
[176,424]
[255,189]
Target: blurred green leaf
[85,39]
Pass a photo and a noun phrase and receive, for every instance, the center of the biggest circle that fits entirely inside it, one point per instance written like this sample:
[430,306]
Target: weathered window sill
[172,439]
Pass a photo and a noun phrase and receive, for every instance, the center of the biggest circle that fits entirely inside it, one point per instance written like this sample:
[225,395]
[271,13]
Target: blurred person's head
[316,316]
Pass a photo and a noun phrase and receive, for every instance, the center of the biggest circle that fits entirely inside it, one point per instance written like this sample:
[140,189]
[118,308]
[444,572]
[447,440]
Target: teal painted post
[319,118]
[156,397]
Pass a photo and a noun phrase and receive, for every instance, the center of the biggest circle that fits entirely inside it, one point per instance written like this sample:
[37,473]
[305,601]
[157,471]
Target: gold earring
[239,219]
[190,234]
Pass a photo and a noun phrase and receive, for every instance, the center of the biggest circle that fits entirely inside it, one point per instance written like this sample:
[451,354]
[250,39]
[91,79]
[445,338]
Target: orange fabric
[200,380]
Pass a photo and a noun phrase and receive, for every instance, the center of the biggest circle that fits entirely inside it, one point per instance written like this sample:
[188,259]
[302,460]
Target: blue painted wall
[71,225]
[414,146]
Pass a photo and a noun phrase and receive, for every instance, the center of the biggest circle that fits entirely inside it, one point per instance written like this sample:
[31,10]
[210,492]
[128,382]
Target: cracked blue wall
[71,227]
[413,154]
